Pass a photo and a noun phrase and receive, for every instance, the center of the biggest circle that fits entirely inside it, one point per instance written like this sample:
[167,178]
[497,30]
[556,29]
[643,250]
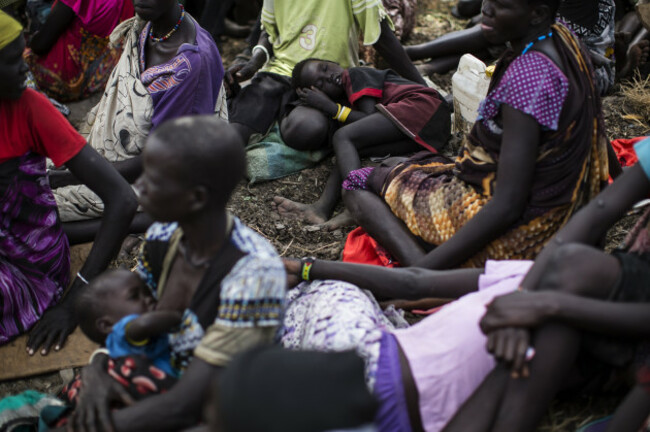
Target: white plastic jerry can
[469,86]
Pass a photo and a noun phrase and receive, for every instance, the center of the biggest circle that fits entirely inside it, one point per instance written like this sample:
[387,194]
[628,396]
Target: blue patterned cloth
[157,349]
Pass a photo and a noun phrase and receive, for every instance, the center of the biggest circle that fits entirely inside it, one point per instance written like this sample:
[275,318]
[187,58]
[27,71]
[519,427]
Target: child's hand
[317,99]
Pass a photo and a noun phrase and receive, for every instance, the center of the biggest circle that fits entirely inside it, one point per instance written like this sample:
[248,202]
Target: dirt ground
[251,203]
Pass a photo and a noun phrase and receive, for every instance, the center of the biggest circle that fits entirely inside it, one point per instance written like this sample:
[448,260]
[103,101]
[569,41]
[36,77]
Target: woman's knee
[342,138]
[305,130]
[581,270]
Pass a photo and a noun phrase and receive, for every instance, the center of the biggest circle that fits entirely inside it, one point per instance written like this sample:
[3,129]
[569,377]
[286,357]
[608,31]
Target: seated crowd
[212,330]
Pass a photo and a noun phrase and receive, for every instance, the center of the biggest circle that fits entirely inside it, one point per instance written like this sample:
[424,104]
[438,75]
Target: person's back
[326,30]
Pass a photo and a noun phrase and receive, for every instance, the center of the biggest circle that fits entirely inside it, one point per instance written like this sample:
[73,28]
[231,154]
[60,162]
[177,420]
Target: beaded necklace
[171,32]
[541,38]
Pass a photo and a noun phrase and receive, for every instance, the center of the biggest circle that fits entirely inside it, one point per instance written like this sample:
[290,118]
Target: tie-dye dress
[34,255]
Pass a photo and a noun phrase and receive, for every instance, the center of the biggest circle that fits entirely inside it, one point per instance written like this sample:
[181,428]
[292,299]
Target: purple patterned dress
[35,259]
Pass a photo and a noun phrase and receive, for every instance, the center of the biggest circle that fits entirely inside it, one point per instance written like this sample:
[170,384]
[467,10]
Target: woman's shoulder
[532,84]
[535,65]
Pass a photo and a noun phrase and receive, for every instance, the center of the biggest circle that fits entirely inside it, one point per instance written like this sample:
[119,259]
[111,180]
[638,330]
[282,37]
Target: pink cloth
[98,17]
[446,351]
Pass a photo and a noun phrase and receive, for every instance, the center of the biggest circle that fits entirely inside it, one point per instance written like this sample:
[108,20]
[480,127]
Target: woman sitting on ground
[387,114]
[70,56]
[591,21]
[170,67]
[35,259]
[536,154]
[226,280]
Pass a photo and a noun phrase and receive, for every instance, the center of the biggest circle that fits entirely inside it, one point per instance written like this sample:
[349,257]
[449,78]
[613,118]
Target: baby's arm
[316,98]
[152,324]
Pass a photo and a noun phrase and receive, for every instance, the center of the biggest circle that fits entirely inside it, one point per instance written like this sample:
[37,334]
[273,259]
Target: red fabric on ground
[624,149]
[360,248]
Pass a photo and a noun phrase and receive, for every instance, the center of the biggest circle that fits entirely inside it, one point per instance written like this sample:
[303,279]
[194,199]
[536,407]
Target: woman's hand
[293,267]
[54,327]
[519,309]
[98,391]
[237,73]
[512,346]
[315,98]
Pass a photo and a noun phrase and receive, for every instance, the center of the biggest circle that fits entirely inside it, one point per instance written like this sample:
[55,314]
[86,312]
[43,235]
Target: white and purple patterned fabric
[534,85]
[337,316]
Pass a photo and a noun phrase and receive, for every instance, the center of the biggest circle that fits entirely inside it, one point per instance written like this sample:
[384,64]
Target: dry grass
[636,99]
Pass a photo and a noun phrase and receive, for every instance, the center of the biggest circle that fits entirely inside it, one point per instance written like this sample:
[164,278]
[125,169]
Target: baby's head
[322,74]
[108,298]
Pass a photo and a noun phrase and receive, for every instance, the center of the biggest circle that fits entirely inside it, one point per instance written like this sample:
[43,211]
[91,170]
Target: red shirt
[32,124]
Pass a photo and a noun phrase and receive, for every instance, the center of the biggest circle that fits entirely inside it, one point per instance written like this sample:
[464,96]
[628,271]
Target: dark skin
[445,52]
[123,293]
[91,169]
[567,293]
[519,150]
[59,19]
[163,15]
[198,205]
[306,128]
[365,130]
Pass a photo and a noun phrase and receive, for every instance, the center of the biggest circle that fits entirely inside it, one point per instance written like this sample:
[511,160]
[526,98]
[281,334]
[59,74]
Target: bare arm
[245,71]
[591,223]
[316,98]
[629,320]
[393,52]
[515,172]
[391,283]
[120,205]
[57,22]
[130,169]
[152,324]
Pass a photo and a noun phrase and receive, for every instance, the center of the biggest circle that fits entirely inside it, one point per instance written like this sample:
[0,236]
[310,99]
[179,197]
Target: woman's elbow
[39,45]
[508,210]
[123,201]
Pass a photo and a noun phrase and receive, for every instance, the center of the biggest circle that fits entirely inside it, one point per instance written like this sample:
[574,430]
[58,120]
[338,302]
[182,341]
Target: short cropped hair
[210,152]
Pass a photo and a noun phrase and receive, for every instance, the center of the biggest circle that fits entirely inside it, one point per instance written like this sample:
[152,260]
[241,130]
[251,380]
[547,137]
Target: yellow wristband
[131,341]
[345,112]
[307,263]
[338,112]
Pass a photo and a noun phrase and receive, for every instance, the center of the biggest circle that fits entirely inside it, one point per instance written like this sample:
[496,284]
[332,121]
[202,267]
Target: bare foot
[339,221]
[637,55]
[297,211]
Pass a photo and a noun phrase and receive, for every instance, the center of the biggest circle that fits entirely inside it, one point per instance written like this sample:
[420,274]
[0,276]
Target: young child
[118,310]
[380,113]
